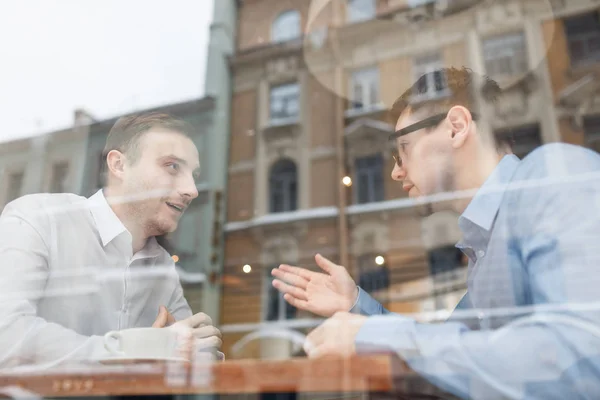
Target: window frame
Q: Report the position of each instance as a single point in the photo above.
(274, 120)
(374, 174)
(571, 37)
(427, 64)
(511, 46)
(368, 79)
(289, 189)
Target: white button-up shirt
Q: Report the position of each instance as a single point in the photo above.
(68, 276)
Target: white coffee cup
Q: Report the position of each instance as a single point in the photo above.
(142, 343)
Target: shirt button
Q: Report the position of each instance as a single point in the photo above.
(480, 253)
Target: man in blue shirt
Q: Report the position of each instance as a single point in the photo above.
(530, 229)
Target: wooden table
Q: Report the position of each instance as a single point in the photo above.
(359, 374)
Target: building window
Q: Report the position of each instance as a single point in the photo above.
(361, 10)
(58, 182)
(286, 26)
(373, 275)
(583, 38)
(444, 263)
(283, 184)
(444, 259)
(364, 89)
(522, 140)
(285, 102)
(369, 179)
(591, 129)
(431, 82)
(505, 55)
(277, 309)
(15, 185)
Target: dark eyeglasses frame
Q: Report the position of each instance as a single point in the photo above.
(426, 123)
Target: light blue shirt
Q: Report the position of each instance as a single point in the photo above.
(529, 325)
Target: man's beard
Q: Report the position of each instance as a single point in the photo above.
(444, 186)
(146, 213)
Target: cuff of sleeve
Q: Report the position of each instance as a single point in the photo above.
(356, 301)
(365, 304)
(385, 333)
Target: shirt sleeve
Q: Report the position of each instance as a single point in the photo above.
(179, 307)
(367, 305)
(552, 350)
(26, 338)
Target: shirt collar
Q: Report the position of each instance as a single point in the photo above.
(479, 216)
(110, 226)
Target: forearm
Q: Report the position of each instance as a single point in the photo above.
(526, 359)
(28, 339)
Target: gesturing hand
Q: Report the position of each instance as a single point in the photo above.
(323, 294)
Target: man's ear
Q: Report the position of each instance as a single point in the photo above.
(459, 119)
(115, 161)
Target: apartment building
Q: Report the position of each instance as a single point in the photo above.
(309, 161)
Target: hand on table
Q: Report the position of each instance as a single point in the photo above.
(164, 318)
(195, 333)
(335, 336)
(323, 294)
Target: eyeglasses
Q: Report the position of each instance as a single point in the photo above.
(426, 123)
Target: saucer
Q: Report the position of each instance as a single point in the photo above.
(140, 360)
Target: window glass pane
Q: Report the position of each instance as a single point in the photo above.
(361, 10)
(369, 179)
(444, 259)
(523, 140)
(505, 54)
(429, 82)
(440, 84)
(286, 26)
(583, 36)
(283, 186)
(364, 86)
(284, 101)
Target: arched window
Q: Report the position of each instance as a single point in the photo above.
(286, 26)
(283, 186)
(361, 10)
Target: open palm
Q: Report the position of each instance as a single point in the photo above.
(322, 293)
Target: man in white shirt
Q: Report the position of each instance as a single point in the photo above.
(72, 268)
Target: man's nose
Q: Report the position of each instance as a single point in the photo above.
(189, 188)
(398, 173)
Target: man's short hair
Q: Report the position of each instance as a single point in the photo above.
(460, 84)
(125, 134)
